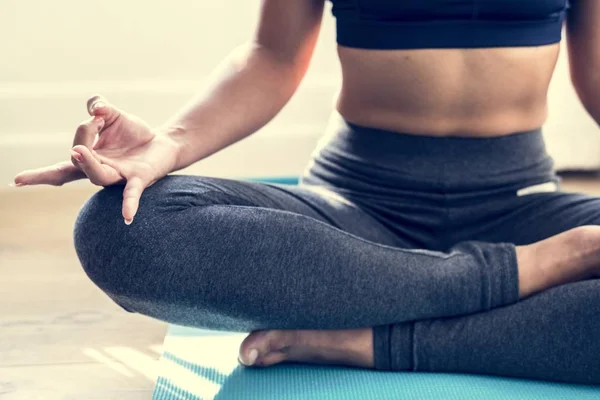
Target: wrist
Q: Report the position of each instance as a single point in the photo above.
(175, 140)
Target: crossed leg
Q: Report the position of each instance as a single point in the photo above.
(552, 335)
(242, 256)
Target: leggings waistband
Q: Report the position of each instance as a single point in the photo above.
(395, 158)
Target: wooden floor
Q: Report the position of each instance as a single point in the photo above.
(61, 338)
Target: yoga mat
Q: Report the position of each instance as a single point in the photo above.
(202, 365)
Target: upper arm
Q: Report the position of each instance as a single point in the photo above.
(288, 29)
(583, 40)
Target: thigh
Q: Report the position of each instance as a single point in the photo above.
(179, 192)
(242, 256)
(528, 219)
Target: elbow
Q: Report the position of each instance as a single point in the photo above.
(276, 70)
(290, 65)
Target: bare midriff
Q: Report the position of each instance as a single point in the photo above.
(447, 92)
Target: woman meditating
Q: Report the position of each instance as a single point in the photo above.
(428, 232)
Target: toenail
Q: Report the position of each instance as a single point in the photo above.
(252, 356)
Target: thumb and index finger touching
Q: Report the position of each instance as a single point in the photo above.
(99, 107)
(64, 172)
(85, 164)
(83, 142)
(103, 115)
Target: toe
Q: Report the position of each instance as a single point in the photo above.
(252, 347)
(248, 358)
(262, 348)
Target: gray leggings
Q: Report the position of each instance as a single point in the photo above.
(411, 235)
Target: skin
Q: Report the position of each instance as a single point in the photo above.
(442, 92)
(447, 92)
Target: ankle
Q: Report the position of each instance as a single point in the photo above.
(567, 257)
(531, 276)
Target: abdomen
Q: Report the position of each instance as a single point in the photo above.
(469, 92)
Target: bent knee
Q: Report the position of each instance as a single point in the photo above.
(120, 258)
(98, 235)
(113, 254)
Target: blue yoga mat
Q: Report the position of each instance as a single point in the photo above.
(202, 365)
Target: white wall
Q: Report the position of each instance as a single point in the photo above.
(150, 57)
(572, 136)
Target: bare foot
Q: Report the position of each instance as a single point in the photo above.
(570, 256)
(351, 347)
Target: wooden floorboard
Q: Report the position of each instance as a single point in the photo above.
(61, 338)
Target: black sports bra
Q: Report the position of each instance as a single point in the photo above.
(420, 24)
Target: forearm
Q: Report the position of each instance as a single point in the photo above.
(249, 88)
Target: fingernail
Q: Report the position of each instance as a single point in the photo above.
(12, 184)
(252, 356)
(97, 105)
(128, 221)
(76, 156)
